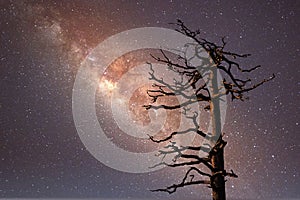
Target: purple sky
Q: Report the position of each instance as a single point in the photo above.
(42, 45)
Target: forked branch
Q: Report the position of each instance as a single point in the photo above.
(185, 182)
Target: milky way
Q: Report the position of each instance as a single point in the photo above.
(43, 44)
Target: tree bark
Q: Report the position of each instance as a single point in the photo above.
(217, 158)
(218, 182)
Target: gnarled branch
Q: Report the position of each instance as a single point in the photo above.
(171, 189)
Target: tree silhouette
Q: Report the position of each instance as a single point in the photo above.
(203, 80)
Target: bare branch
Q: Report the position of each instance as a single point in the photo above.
(170, 136)
(171, 189)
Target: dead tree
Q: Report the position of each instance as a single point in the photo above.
(208, 170)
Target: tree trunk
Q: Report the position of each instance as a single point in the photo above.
(218, 182)
(217, 158)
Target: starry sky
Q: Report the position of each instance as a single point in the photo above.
(42, 45)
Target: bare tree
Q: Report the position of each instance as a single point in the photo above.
(209, 169)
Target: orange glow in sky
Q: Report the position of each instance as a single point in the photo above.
(107, 86)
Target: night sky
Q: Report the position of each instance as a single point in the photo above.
(42, 44)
